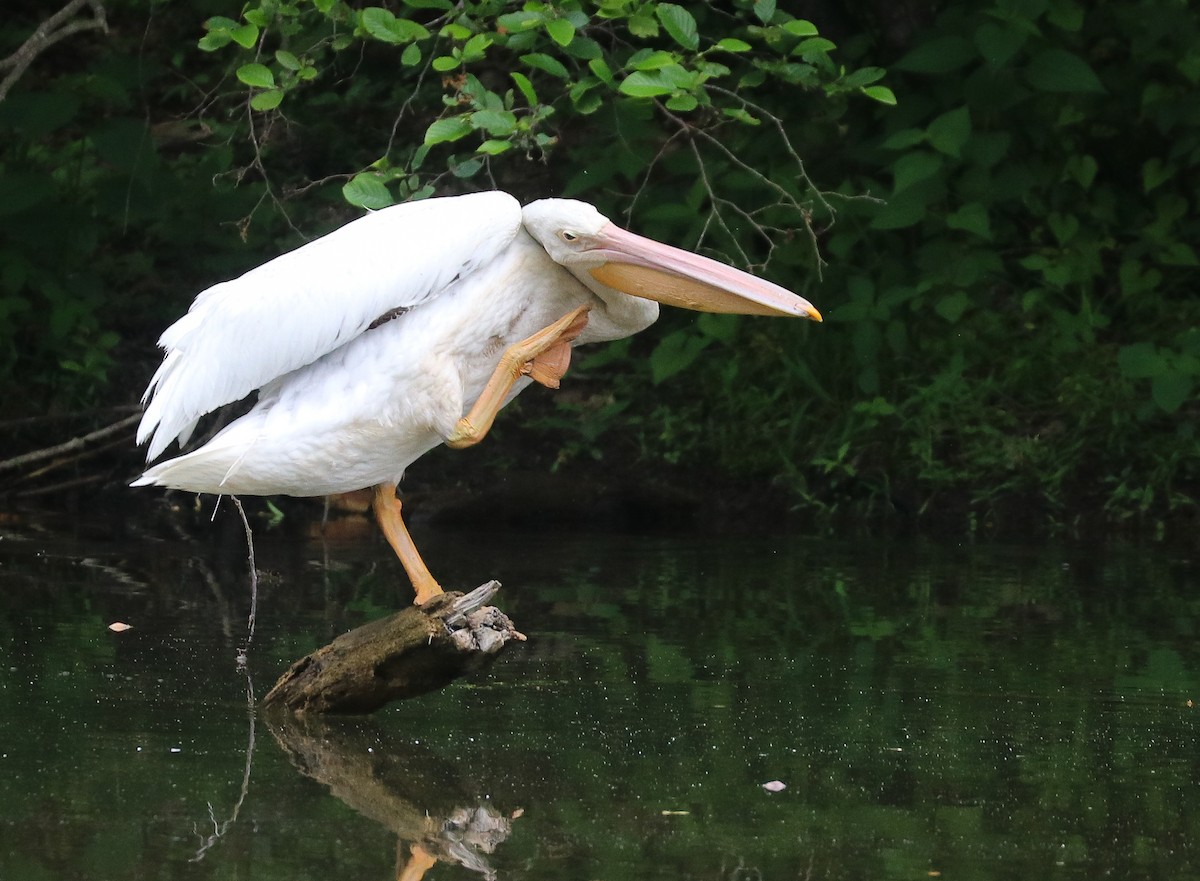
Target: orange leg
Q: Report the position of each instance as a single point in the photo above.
(420, 862)
(544, 357)
(387, 512)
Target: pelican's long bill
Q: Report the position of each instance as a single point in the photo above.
(646, 268)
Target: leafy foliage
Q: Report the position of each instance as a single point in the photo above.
(1019, 320)
(1012, 319)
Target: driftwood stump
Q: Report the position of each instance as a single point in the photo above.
(418, 650)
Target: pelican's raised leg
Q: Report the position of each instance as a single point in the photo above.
(387, 512)
(544, 357)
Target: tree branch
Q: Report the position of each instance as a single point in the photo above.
(71, 446)
(57, 27)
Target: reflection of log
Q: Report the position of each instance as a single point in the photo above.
(418, 650)
(423, 799)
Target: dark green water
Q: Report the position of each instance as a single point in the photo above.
(984, 712)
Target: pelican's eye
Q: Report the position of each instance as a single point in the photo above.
(567, 236)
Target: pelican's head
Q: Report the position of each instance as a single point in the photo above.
(583, 240)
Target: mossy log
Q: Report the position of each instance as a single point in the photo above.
(413, 652)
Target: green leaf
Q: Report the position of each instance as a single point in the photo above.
(1082, 169)
(516, 22)
(497, 123)
(561, 31)
(468, 168)
(1170, 390)
(1057, 70)
(584, 96)
(864, 76)
(914, 167)
(941, 55)
(642, 84)
(267, 100)
(642, 25)
(1140, 361)
(741, 115)
(245, 36)
(729, 44)
(411, 56)
(882, 94)
(257, 75)
(287, 60)
(603, 72)
(798, 27)
(220, 23)
(651, 60)
(213, 41)
(367, 191)
(902, 210)
(549, 64)
(450, 129)
(952, 306)
(476, 48)
(903, 139)
(1155, 172)
(1179, 254)
(585, 48)
(764, 10)
(492, 147)
(675, 353)
(948, 132)
(682, 102)
(526, 88)
(997, 44)
(445, 63)
(813, 47)
(680, 24)
(385, 27)
(972, 217)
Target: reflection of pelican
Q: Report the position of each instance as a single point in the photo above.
(405, 329)
(407, 789)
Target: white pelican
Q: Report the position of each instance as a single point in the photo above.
(408, 328)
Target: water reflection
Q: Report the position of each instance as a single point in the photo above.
(430, 805)
(982, 712)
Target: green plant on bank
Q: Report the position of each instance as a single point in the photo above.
(1015, 333)
(1014, 330)
(102, 207)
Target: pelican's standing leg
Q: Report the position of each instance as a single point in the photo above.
(544, 357)
(387, 512)
(419, 862)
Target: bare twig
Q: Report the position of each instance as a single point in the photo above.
(48, 418)
(50, 490)
(71, 446)
(57, 27)
(784, 199)
(219, 829)
(253, 583)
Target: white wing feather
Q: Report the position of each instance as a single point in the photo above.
(241, 334)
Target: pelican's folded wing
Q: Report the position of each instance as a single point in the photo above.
(241, 334)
